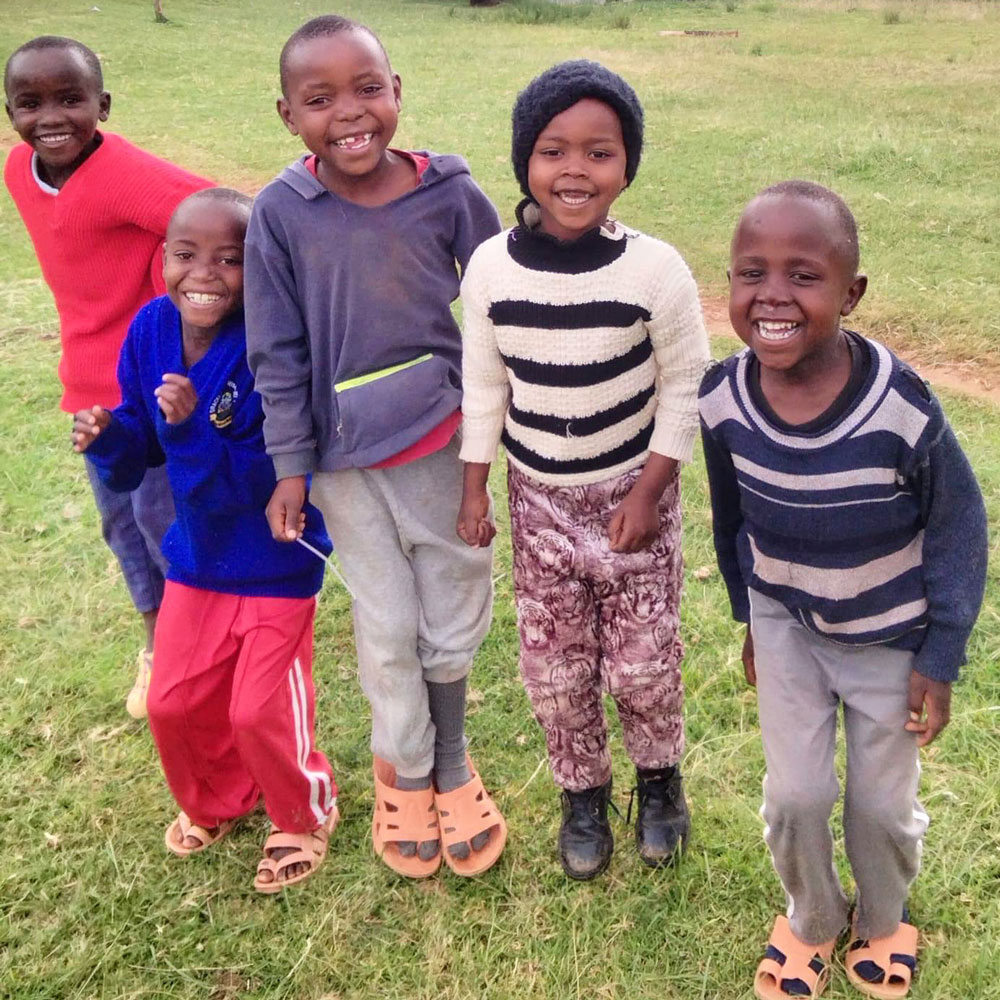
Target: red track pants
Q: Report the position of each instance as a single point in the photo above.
(231, 707)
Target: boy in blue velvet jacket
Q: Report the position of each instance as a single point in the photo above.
(231, 702)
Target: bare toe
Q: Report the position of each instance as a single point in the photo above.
(428, 849)
(459, 851)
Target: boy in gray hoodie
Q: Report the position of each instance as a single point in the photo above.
(352, 262)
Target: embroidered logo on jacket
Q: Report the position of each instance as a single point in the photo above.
(220, 413)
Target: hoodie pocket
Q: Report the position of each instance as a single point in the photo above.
(378, 405)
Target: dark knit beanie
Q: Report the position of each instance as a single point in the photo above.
(558, 89)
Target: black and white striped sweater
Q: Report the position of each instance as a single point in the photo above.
(581, 357)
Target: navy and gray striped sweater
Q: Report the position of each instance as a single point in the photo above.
(870, 529)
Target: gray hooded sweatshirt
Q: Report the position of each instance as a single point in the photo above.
(350, 334)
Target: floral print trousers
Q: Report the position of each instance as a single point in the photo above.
(592, 620)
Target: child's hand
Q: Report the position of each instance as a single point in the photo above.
(87, 424)
(749, 663)
(935, 697)
(285, 516)
(474, 526)
(176, 397)
(635, 523)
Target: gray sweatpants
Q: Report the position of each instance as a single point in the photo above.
(423, 598)
(802, 679)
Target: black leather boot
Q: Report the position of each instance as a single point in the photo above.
(663, 822)
(585, 839)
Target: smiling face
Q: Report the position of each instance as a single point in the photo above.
(54, 103)
(203, 263)
(342, 100)
(791, 282)
(577, 168)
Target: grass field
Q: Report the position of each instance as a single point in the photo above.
(894, 105)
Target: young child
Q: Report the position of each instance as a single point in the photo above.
(352, 263)
(96, 208)
(231, 701)
(851, 536)
(583, 347)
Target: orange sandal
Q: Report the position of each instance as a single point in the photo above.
(307, 848)
(463, 813)
(788, 960)
(883, 967)
(183, 827)
(402, 816)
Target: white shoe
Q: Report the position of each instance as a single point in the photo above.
(135, 703)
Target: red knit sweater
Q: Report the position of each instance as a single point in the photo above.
(98, 243)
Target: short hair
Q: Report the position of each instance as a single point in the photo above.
(323, 26)
(57, 42)
(811, 191)
(220, 195)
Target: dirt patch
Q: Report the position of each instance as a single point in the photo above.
(968, 377)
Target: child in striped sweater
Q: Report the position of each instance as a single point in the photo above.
(851, 535)
(582, 351)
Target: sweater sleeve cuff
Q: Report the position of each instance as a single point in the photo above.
(181, 435)
(739, 601)
(941, 655)
(298, 463)
(477, 449)
(673, 442)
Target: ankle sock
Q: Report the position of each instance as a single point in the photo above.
(413, 784)
(447, 708)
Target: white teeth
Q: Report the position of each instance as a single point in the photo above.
(573, 197)
(354, 141)
(775, 331)
(53, 140)
(201, 298)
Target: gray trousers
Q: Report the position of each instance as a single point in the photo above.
(802, 679)
(423, 598)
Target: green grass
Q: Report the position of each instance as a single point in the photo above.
(902, 119)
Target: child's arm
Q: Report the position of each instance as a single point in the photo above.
(121, 443)
(680, 346)
(727, 518)
(477, 220)
(279, 357)
(474, 526)
(955, 551)
(147, 191)
(484, 403)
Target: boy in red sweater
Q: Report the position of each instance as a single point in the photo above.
(96, 208)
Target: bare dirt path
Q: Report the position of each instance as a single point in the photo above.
(967, 377)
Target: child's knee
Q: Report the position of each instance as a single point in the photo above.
(164, 708)
(794, 803)
(248, 717)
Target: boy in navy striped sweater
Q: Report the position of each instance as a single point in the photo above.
(851, 535)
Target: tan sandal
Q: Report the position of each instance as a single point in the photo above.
(135, 703)
(183, 827)
(464, 813)
(883, 967)
(306, 848)
(788, 961)
(403, 816)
